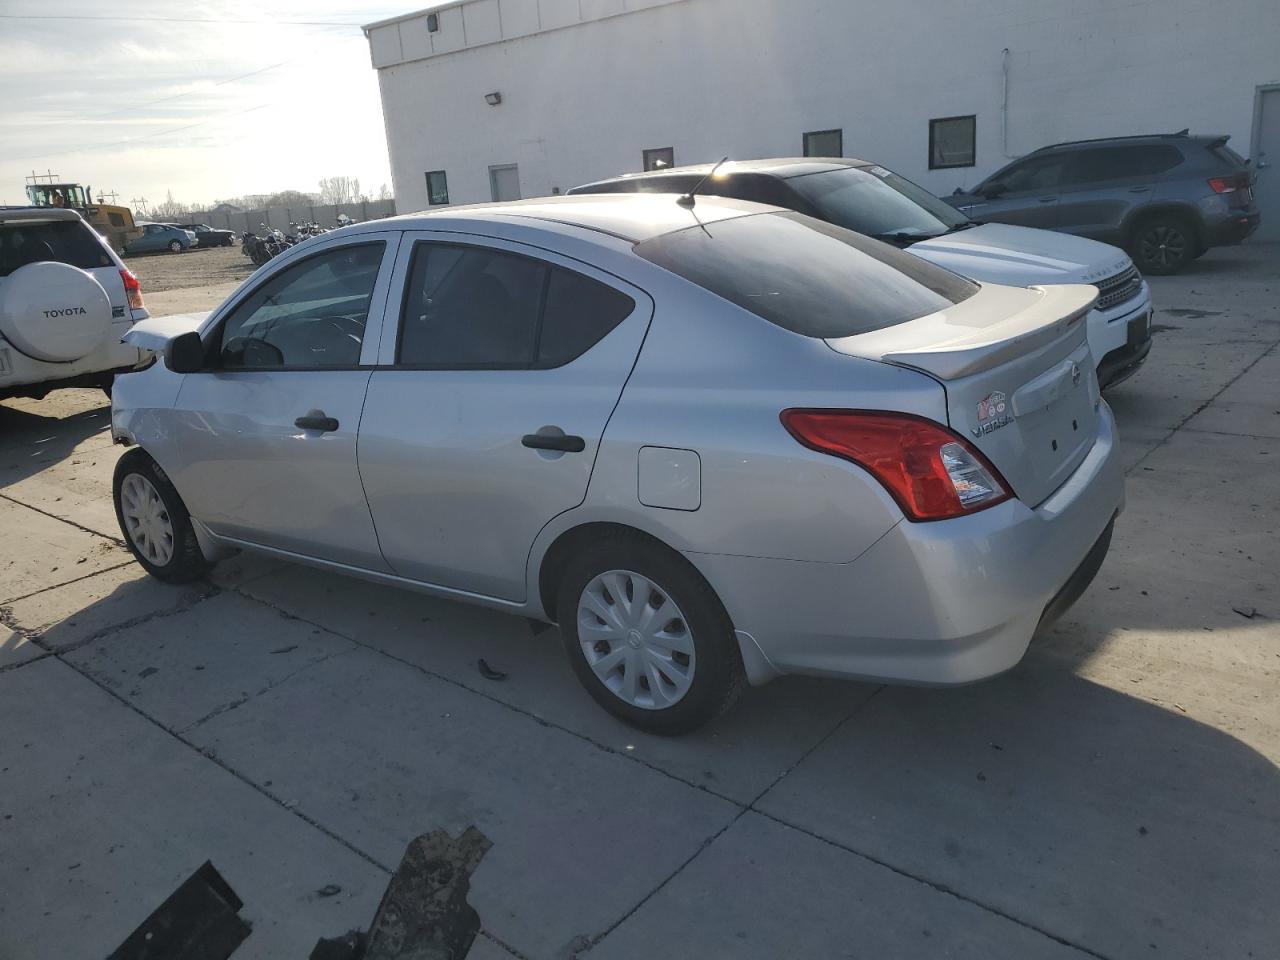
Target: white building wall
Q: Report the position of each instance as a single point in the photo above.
(746, 78)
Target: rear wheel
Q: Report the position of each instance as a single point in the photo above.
(155, 523)
(647, 636)
(175, 246)
(1163, 245)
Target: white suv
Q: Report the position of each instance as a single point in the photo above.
(66, 300)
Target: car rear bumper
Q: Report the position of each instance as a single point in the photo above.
(1232, 228)
(20, 375)
(930, 603)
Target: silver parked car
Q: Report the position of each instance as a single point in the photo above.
(713, 443)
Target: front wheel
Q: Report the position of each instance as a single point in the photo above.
(1164, 245)
(175, 246)
(647, 636)
(155, 523)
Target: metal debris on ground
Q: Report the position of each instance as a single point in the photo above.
(424, 914)
(198, 921)
(488, 672)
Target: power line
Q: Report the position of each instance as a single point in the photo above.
(228, 20)
(134, 108)
(146, 136)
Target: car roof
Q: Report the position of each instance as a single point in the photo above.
(1140, 138)
(784, 168)
(632, 217)
(38, 213)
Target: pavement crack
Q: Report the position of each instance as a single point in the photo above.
(67, 583)
(1202, 407)
(70, 523)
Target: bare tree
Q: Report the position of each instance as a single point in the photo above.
(170, 209)
(340, 190)
(384, 192)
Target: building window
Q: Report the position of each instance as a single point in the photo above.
(952, 142)
(824, 143)
(661, 158)
(433, 23)
(437, 188)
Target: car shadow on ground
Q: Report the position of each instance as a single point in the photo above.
(34, 436)
(1099, 816)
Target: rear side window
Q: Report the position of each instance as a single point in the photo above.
(806, 276)
(1122, 163)
(64, 241)
(478, 308)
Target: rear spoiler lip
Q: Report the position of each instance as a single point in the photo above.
(970, 351)
(154, 333)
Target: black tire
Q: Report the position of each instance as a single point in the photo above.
(185, 562)
(175, 246)
(718, 677)
(1164, 244)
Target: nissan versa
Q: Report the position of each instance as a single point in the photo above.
(714, 441)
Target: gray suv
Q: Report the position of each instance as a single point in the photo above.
(1165, 198)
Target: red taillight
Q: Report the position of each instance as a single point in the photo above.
(1237, 181)
(932, 473)
(132, 289)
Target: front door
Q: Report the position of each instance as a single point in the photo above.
(485, 414)
(504, 182)
(1267, 161)
(1029, 196)
(268, 432)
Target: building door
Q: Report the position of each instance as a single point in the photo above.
(1266, 160)
(504, 182)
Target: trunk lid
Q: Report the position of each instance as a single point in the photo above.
(1018, 375)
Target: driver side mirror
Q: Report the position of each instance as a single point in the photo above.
(185, 353)
(993, 190)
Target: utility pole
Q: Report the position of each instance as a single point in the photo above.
(140, 204)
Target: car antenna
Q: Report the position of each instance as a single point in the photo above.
(689, 199)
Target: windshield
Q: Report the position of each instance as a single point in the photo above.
(807, 276)
(877, 202)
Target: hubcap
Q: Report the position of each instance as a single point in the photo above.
(636, 640)
(146, 519)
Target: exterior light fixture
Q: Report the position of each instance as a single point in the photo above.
(493, 99)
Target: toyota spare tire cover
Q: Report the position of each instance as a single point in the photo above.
(54, 311)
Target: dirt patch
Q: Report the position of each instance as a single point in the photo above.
(213, 267)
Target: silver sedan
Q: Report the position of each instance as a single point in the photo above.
(715, 442)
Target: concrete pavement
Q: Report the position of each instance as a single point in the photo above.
(1115, 796)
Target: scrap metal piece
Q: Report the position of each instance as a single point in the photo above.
(198, 921)
(424, 915)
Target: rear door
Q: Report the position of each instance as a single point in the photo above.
(268, 431)
(1030, 195)
(484, 417)
(1103, 184)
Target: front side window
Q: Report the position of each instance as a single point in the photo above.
(478, 308)
(437, 188)
(877, 202)
(1038, 173)
(660, 158)
(807, 276)
(313, 314)
(952, 142)
(824, 143)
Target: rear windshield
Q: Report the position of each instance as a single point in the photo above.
(65, 241)
(806, 276)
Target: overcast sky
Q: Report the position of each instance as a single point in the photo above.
(139, 104)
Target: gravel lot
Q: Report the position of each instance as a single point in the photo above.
(160, 272)
(1115, 796)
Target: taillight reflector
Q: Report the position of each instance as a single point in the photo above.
(932, 472)
(1237, 181)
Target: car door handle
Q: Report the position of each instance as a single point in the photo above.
(1139, 189)
(321, 423)
(1048, 199)
(543, 441)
